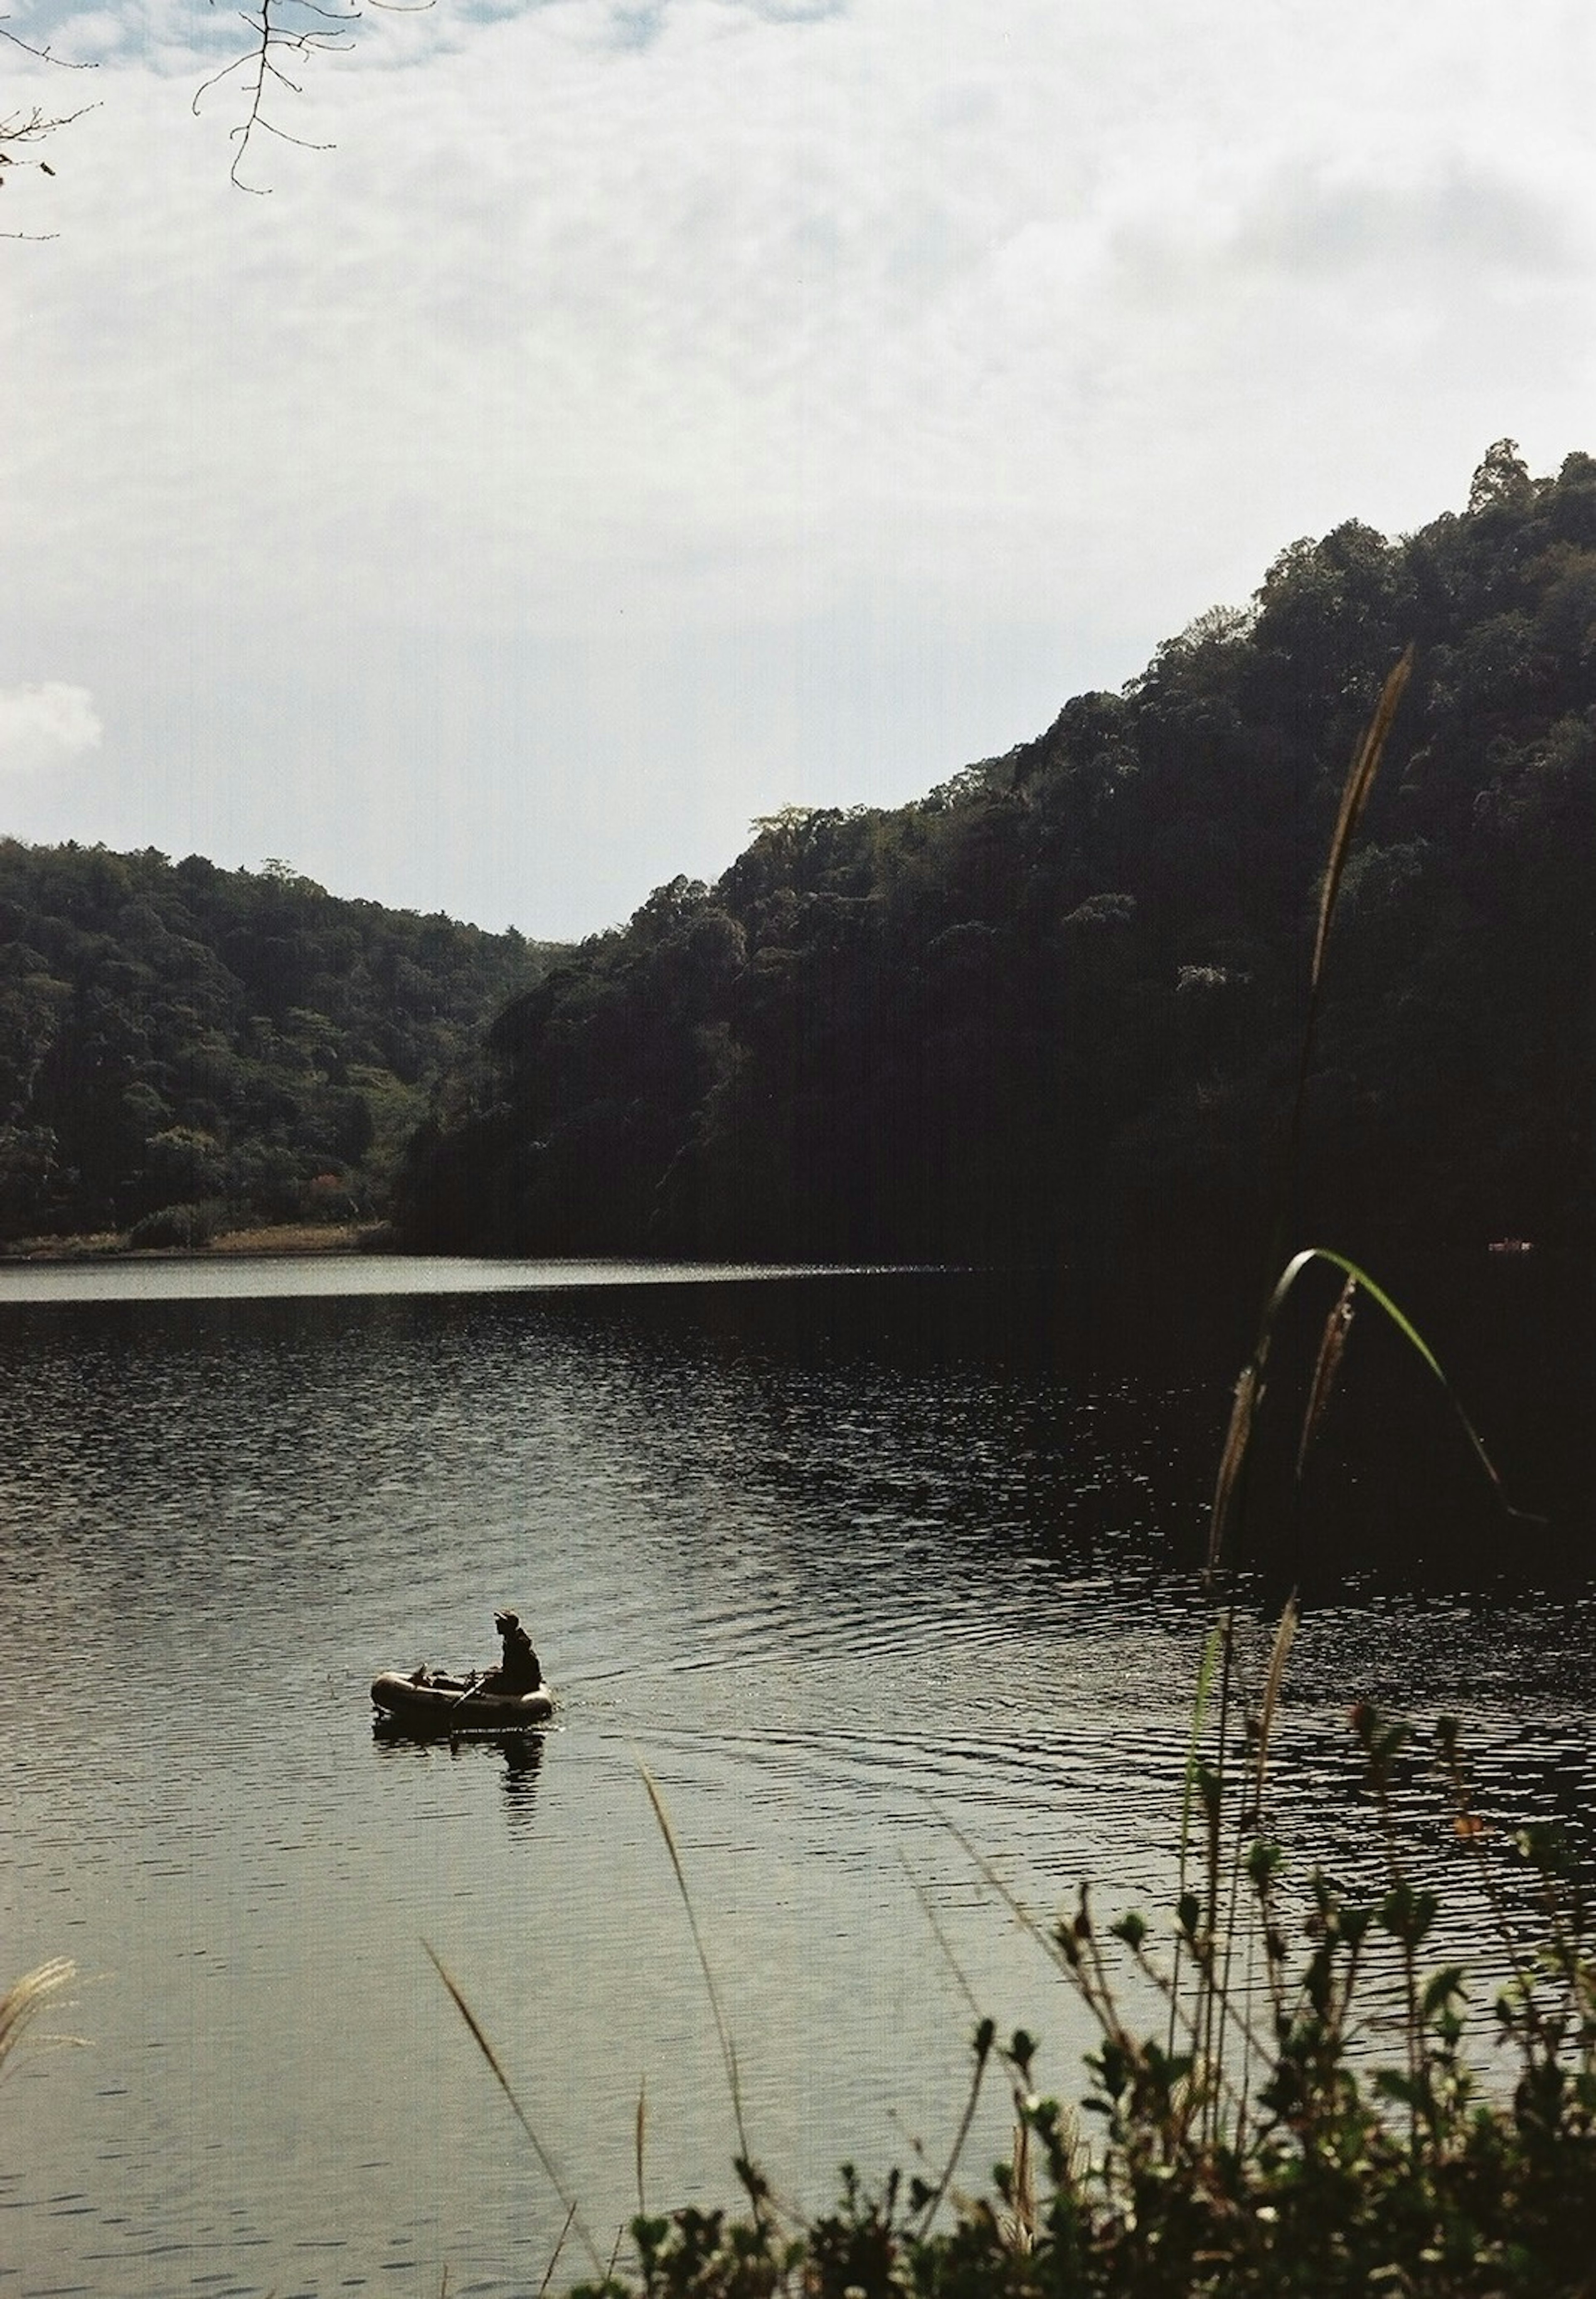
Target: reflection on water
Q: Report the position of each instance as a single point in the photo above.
(515, 1758)
(847, 1568)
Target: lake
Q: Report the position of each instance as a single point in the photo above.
(883, 1583)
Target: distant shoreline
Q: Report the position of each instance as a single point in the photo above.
(275, 1238)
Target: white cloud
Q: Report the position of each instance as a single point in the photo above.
(40, 726)
(1002, 336)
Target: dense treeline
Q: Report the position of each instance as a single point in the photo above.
(1056, 1003)
(182, 1045)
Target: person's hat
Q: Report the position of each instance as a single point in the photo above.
(507, 1620)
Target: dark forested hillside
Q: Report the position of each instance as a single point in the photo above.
(181, 1044)
(1056, 1003)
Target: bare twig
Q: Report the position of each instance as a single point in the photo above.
(277, 26)
(294, 30)
(21, 129)
(45, 55)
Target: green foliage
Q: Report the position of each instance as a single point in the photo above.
(1258, 2147)
(1048, 1007)
(177, 1037)
(187, 1226)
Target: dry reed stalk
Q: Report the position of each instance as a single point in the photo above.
(1285, 1635)
(1331, 1346)
(548, 2273)
(1232, 1460)
(639, 2134)
(542, 2152)
(728, 2054)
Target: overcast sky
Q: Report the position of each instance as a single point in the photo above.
(649, 415)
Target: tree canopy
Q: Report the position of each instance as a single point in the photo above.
(185, 1042)
(1053, 1005)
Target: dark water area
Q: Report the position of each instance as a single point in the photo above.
(883, 1578)
(1392, 1491)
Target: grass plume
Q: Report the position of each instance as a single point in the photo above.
(24, 1999)
(1333, 1344)
(1354, 798)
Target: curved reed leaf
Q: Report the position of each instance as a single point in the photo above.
(1249, 1388)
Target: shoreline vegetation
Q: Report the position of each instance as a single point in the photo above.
(188, 1051)
(1050, 1011)
(267, 1239)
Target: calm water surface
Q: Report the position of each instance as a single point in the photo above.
(848, 1574)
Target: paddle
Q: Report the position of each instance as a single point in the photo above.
(466, 1695)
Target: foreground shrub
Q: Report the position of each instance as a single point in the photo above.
(1252, 2148)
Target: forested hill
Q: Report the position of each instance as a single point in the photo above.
(1056, 1003)
(182, 1046)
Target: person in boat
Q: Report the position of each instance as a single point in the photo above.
(518, 1671)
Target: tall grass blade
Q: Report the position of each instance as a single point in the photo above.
(1252, 1817)
(984, 2039)
(1212, 1645)
(492, 2057)
(943, 1943)
(727, 2050)
(1331, 1346)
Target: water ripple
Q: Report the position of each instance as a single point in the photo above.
(880, 1615)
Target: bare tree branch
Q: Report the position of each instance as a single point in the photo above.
(18, 133)
(45, 55)
(283, 36)
(297, 29)
(277, 26)
(18, 130)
